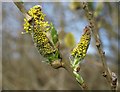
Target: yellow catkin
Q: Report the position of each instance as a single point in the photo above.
(80, 50)
(38, 27)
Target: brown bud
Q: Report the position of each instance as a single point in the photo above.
(56, 64)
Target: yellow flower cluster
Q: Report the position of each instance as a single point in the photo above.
(80, 50)
(42, 42)
(38, 27)
(39, 19)
(27, 26)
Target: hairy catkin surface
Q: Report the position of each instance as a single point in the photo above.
(79, 52)
(38, 27)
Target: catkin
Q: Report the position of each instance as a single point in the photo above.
(79, 52)
(38, 27)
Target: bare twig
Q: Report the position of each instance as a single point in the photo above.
(110, 76)
(22, 9)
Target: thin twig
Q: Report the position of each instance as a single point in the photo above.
(67, 66)
(21, 7)
(110, 76)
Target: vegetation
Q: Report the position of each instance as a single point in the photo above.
(52, 42)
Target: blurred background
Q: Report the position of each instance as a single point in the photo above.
(22, 64)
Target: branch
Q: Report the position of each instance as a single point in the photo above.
(67, 66)
(110, 76)
(21, 7)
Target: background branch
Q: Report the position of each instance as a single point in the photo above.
(110, 76)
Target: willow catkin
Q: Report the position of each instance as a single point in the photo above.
(38, 27)
(79, 52)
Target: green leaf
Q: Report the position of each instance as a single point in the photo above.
(54, 34)
(78, 77)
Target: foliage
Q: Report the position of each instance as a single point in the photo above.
(21, 59)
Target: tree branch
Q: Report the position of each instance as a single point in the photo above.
(67, 66)
(21, 7)
(110, 76)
